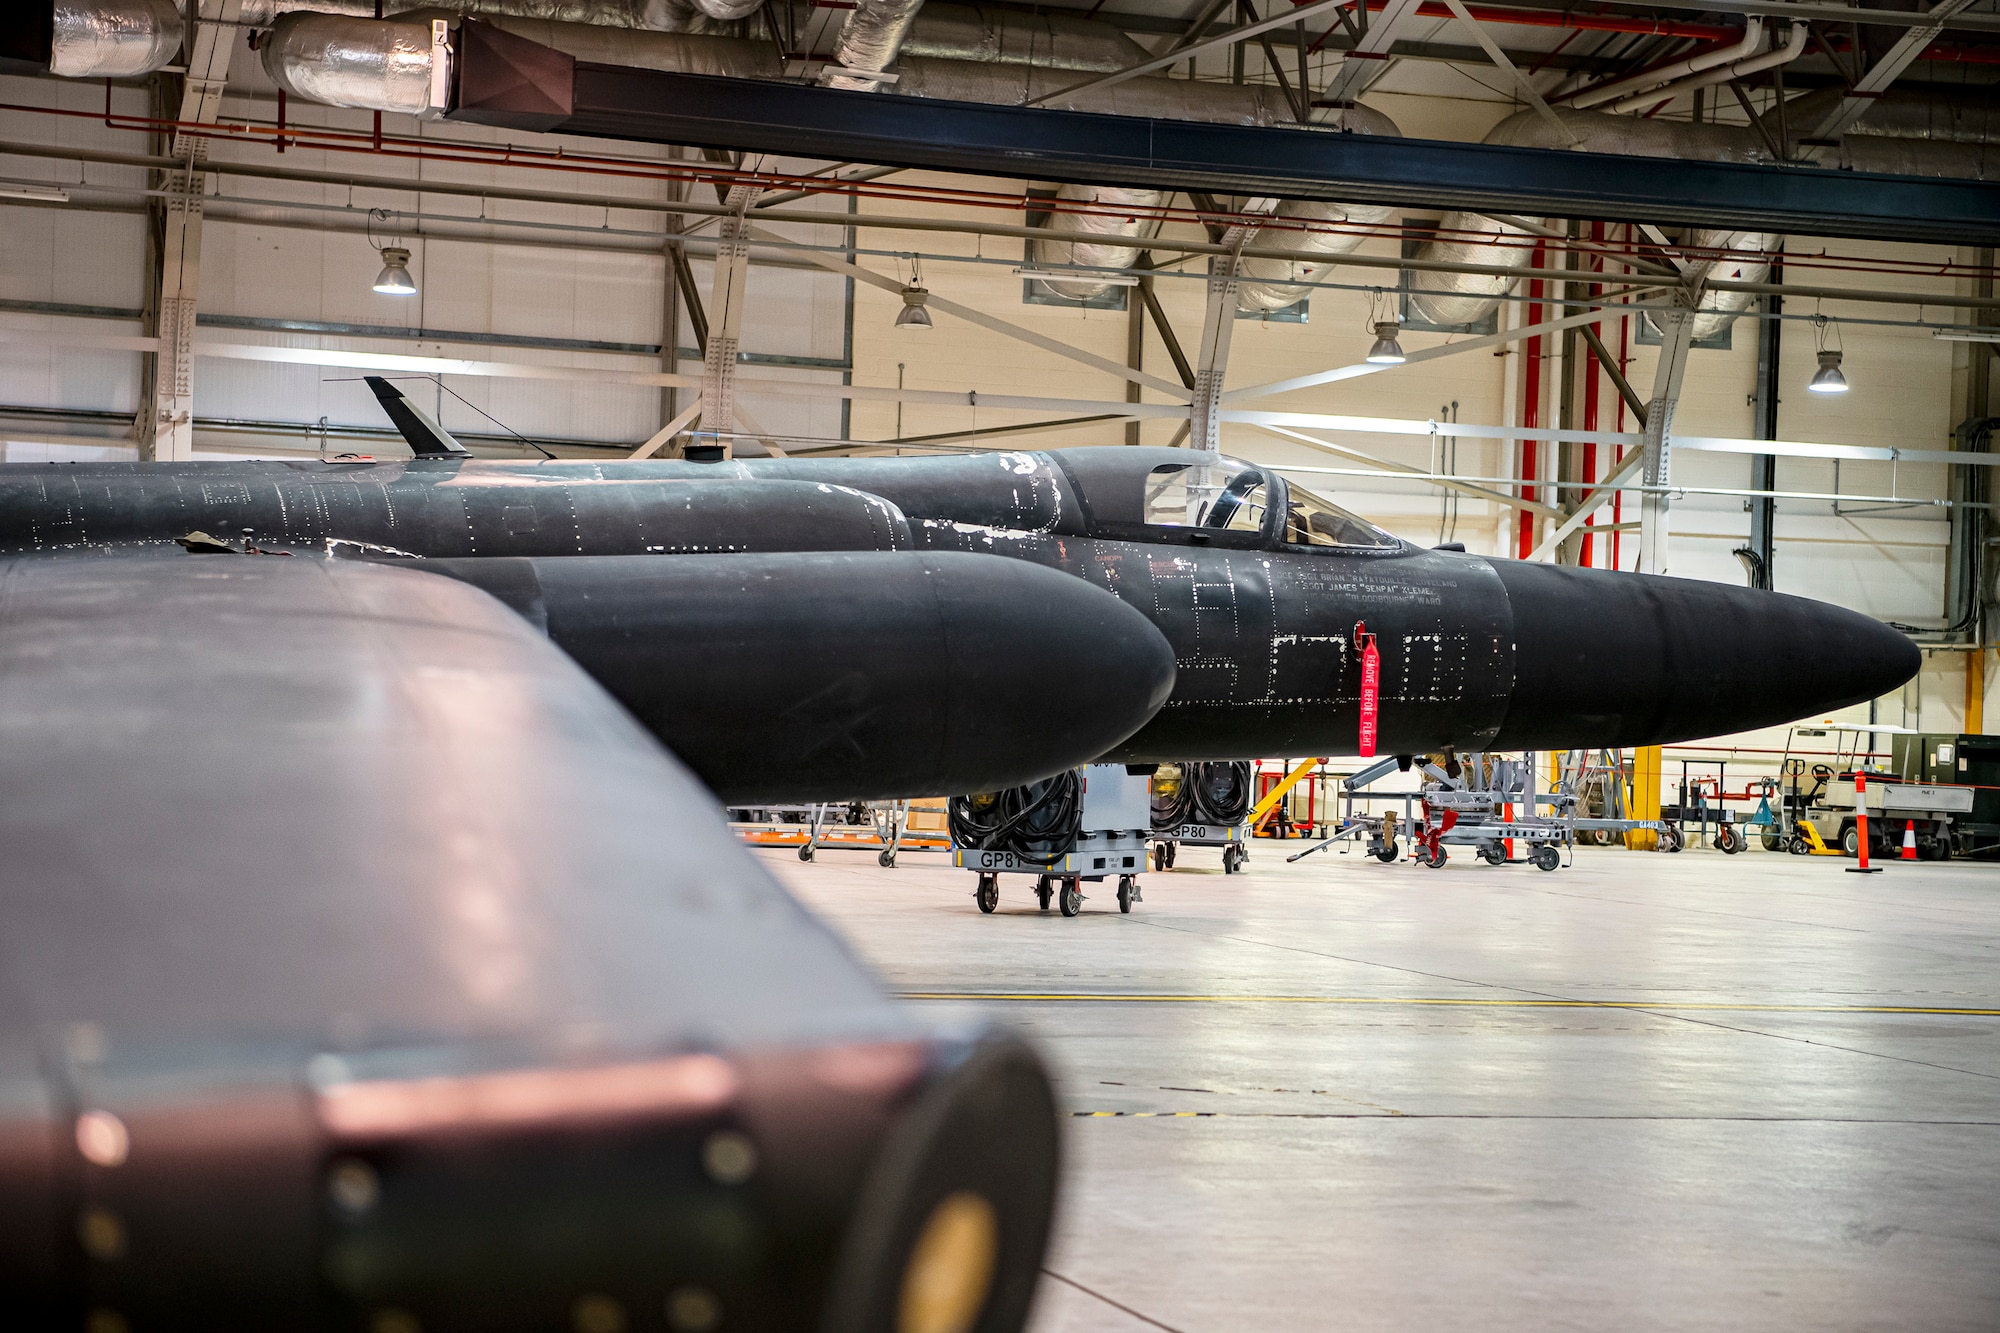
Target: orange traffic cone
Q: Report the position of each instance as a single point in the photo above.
(1909, 840)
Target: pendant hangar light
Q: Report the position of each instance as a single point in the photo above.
(913, 315)
(1386, 350)
(1828, 379)
(394, 279)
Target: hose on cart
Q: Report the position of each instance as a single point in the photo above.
(1038, 823)
(1220, 791)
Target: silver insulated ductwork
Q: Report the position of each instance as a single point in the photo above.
(880, 33)
(869, 43)
(341, 61)
(1138, 222)
(113, 39)
(645, 15)
(1052, 40)
(1318, 231)
(1910, 133)
(1470, 238)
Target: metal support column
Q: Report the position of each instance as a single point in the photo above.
(1676, 332)
(732, 273)
(1218, 325)
(670, 302)
(1968, 570)
(1764, 410)
(167, 429)
(1135, 351)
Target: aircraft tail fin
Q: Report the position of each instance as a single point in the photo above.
(427, 438)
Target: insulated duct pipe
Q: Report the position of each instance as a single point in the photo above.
(1794, 47)
(878, 32)
(1462, 298)
(870, 41)
(1266, 284)
(1332, 228)
(1752, 43)
(1136, 223)
(645, 15)
(353, 62)
(1273, 284)
(113, 39)
(117, 39)
(1051, 40)
(1910, 133)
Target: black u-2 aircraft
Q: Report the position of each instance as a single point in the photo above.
(366, 965)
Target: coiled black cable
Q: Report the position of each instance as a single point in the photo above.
(1038, 823)
(1220, 791)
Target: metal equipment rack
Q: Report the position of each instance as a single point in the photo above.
(1491, 804)
(887, 820)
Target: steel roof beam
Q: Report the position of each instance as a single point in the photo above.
(624, 103)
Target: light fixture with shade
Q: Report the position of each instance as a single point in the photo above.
(1387, 351)
(913, 315)
(1828, 378)
(395, 279)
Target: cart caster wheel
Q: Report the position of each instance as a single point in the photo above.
(1128, 892)
(1173, 851)
(1773, 843)
(1436, 859)
(886, 859)
(1800, 847)
(1159, 856)
(987, 895)
(1045, 888)
(1493, 854)
(805, 853)
(1546, 857)
(1388, 852)
(1233, 859)
(1072, 896)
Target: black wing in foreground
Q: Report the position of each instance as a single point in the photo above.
(362, 964)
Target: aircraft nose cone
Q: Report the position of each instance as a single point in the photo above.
(1044, 667)
(1605, 658)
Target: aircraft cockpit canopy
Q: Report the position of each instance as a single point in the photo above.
(1230, 495)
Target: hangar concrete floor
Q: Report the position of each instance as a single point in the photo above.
(1645, 1092)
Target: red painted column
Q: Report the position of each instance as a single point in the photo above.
(1531, 411)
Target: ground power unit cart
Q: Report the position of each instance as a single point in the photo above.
(1089, 824)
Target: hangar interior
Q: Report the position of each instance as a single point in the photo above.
(1746, 1092)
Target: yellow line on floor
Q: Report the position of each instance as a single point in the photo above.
(1065, 997)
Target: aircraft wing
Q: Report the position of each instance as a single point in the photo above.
(361, 959)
